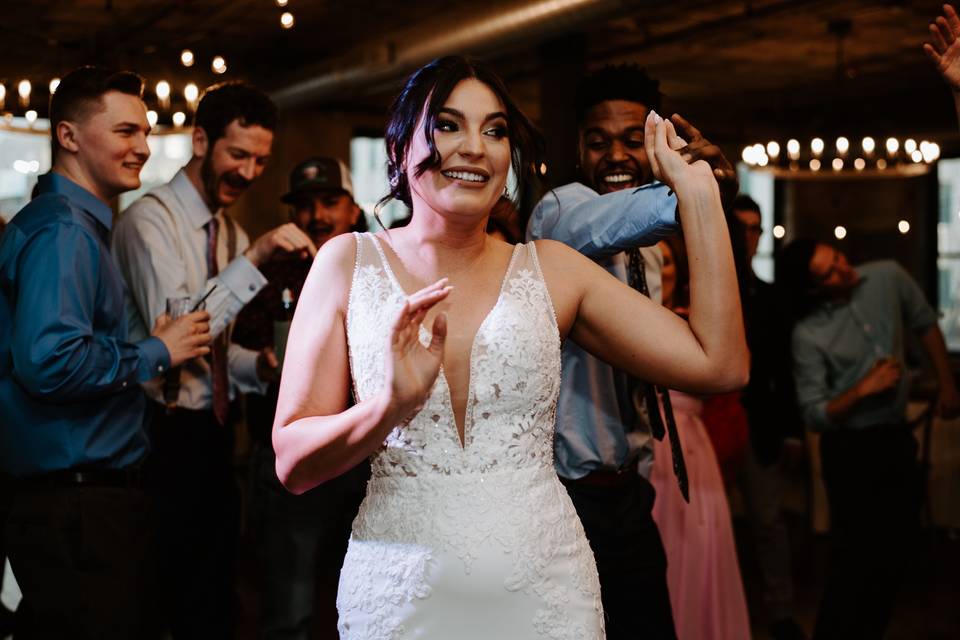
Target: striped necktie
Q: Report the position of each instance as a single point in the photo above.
(637, 278)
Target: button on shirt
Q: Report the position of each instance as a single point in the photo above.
(596, 409)
(837, 344)
(68, 374)
(160, 244)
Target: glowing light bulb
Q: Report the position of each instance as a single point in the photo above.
(893, 145)
(779, 231)
(218, 65)
(282, 3)
(843, 145)
(916, 156)
(152, 118)
(163, 90)
(837, 164)
(749, 156)
(881, 164)
(934, 151)
(869, 145)
(793, 148)
(815, 165)
(31, 116)
(179, 117)
(904, 227)
(191, 92)
(762, 159)
(816, 145)
(3, 95)
(23, 89)
(187, 58)
(773, 149)
(910, 146)
(286, 20)
(53, 85)
(840, 232)
(859, 164)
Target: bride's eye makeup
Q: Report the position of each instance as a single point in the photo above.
(497, 131)
(445, 124)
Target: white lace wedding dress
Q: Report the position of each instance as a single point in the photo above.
(478, 541)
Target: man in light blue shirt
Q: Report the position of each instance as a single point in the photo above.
(603, 448)
(848, 351)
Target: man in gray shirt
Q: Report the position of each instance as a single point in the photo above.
(603, 448)
(848, 351)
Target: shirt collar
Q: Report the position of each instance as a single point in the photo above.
(56, 183)
(196, 209)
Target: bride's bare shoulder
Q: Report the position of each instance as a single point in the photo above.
(555, 256)
(332, 269)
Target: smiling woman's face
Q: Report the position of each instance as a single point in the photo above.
(471, 137)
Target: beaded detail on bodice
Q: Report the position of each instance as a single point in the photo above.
(514, 374)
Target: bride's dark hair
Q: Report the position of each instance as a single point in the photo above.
(431, 85)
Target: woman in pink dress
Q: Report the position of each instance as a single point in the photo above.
(703, 574)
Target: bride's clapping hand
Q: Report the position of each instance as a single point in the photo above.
(411, 368)
(669, 167)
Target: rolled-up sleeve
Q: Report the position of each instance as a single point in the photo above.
(810, 375)
(56, 354)
(599, 226)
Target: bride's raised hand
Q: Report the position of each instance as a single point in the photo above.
(411, 368)
(669, 166)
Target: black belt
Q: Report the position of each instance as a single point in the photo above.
(129, 477)
(606, 477)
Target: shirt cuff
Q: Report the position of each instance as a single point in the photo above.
(817, 417)
(154, 360)
(243, 370)
(242, 278)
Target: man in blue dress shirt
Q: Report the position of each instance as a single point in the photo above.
(72, 434)
(603, 446)
(848, 354)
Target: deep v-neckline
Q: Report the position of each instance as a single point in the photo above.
(467, 419)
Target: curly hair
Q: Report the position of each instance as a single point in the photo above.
(626, 82)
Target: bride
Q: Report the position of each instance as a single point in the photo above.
(450, 341)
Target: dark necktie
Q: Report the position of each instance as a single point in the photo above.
(637, 278)
(218, 349)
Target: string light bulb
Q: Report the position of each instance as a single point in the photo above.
(282, 3)
(187, 58)
(152, 118)
(839, 232)
(31, 116)
(218, 65)
(869, 144)
(53, 85)
(904, 227)
(190, 93)
(163, 90)
(773, 149)
(859, 164)
(843, 145)
(779, 231)
(910, 146)
(179, 117)
(23, 90)
(793, 149)
(815, 165)
(837, 164)
(893, 145)
(286, 20)
(3, 96)
(816, 145)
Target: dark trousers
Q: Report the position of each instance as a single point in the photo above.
(82, 556)
(872, 481)
(301, 542)
(190, 477)
(630, 558)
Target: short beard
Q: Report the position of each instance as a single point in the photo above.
(210, 183)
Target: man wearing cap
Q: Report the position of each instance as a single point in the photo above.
(297, 536)
(177, 241)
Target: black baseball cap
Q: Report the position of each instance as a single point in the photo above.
(318, 174)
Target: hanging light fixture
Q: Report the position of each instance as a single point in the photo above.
(841, 157)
